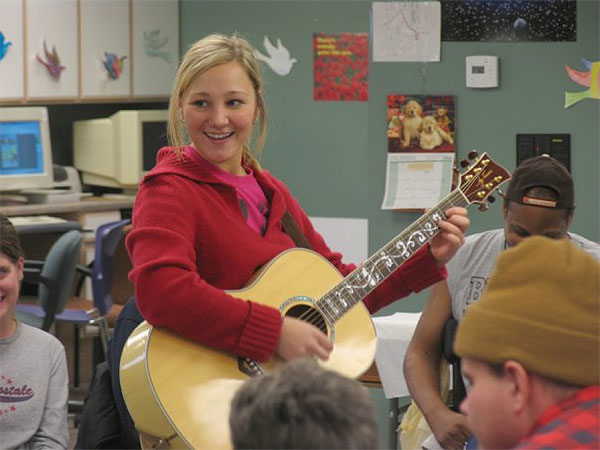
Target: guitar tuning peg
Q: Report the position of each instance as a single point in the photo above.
(472, 154)
(491, 199)
(464, 163)
(500, 193)
(483, 207)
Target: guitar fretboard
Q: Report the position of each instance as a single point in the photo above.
(366, 277)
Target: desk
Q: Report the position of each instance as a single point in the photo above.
(85, 214)
(394, 333)
(90, 204)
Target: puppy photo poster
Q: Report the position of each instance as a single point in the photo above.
(417, 123)
(421, 136)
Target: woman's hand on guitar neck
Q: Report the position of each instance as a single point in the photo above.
(301, 339)
(451, 236)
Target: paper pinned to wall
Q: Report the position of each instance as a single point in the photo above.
(406, 31)
(349, 236)
(417, 180)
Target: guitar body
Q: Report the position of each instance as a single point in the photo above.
(179, 391)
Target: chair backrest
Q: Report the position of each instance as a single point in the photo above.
(60, 266)
(122, 288)
(108, 237)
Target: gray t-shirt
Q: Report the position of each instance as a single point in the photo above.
(472, 265)
(34, 389)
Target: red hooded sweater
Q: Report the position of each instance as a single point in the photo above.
(190, 242)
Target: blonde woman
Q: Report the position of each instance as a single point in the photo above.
(208, 216)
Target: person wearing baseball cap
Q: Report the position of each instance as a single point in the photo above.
(539, 201)
(530, 350)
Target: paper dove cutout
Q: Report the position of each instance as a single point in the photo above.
(153, 42)
(113, 65)
(52, 62)
(4, 44)
(279, 57)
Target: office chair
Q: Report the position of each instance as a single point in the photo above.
(54, 276)
(100, 310)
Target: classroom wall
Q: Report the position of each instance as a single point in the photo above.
(332, 154)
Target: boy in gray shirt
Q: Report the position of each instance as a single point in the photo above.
(34, 383)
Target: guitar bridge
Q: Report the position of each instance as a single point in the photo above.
(249, 367)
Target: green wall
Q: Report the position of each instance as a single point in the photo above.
(332, 154)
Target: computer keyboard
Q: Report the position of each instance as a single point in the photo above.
(35, 220)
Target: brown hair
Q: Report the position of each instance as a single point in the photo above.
(204, 54)
(9, 240)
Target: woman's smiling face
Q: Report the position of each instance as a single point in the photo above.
(219, 110)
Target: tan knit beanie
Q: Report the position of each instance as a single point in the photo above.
(541, 308)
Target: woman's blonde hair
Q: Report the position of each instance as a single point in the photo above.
(204, 54)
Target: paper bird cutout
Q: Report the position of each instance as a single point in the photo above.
(52, 62)
(590, 79)
(113, 65)
(153, 42)
(4, 44)
(279, 57)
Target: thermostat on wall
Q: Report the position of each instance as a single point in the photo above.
(482, 71)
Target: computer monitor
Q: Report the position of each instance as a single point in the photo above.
(25, 149)
(117, 151)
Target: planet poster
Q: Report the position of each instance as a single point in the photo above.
(509, 20)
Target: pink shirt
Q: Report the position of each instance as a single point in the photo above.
(252, 200)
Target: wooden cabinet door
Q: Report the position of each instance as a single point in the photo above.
(155, 35)
(105, 48)
(12, 73)
(52, 49)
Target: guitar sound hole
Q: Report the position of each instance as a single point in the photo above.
(308, 314)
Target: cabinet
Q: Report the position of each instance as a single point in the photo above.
(12, 71)
(52, 60)
(155, 35)
(105, 49)
(110, 50)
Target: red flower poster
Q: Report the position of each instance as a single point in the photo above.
(341, 69)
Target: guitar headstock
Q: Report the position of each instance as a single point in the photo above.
(481, 179)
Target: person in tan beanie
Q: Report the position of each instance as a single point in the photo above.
(530, 350)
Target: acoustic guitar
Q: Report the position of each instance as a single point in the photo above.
(178, 391)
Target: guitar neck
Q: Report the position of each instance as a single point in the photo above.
(369, 275)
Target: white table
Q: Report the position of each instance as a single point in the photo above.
(394, 333)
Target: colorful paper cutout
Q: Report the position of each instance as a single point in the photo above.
(4, 44)
(113, 65)
(52, 62)
(153, 42)
(591, 78)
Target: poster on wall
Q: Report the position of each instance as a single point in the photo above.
(341, 66)
(406, 31)
(509, 20)
(417, 123)
(421, 149)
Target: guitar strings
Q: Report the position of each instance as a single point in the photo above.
(313, 315)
